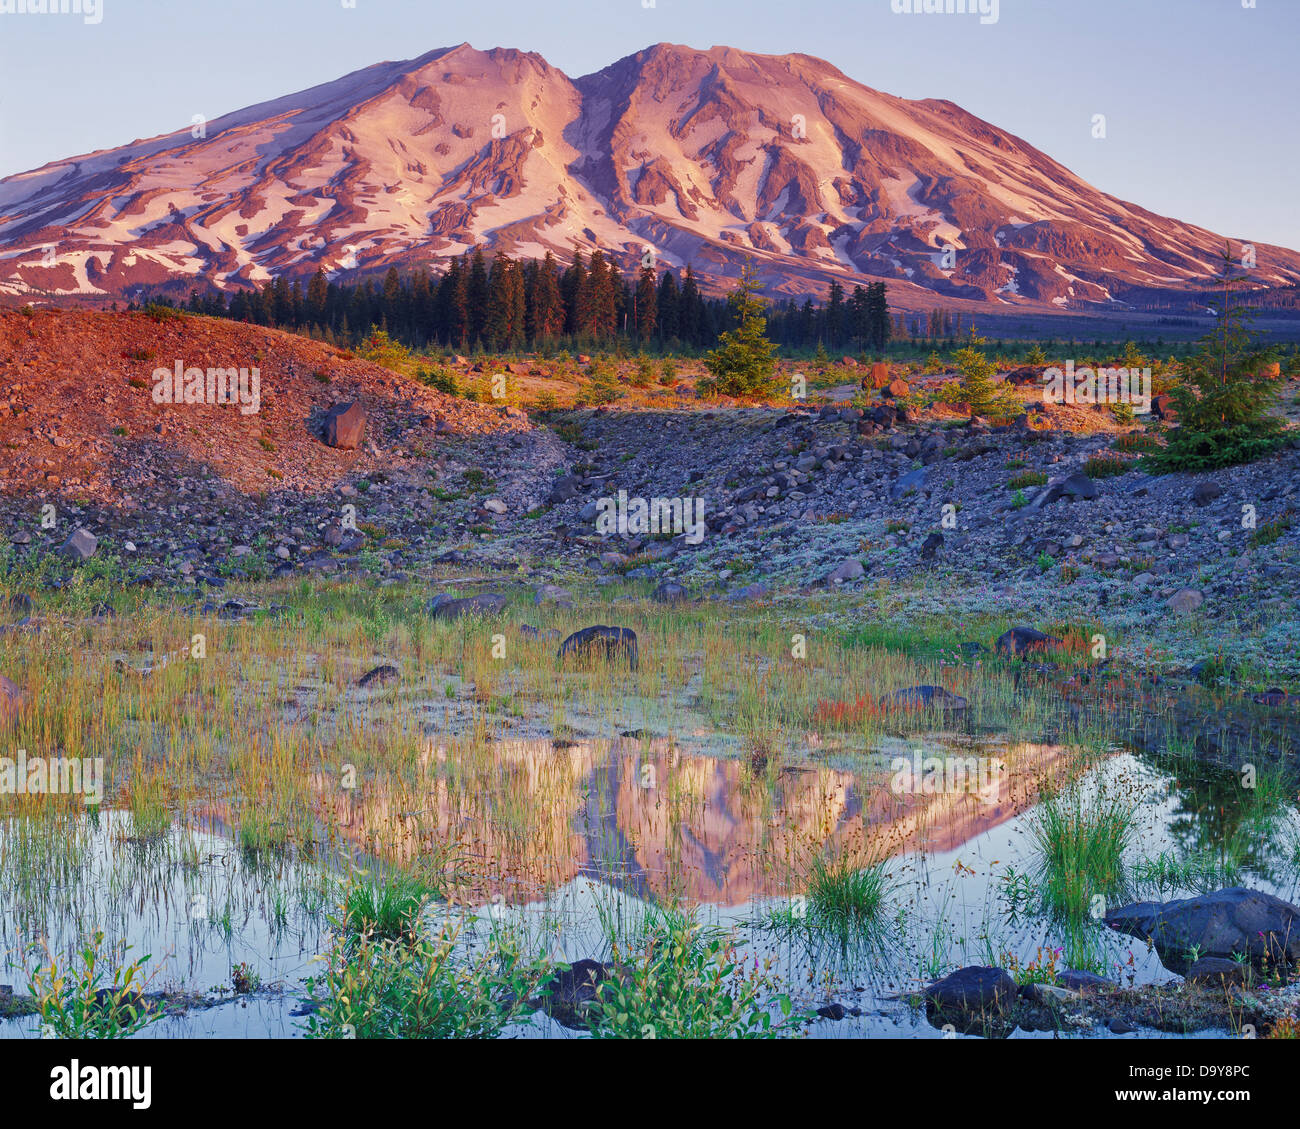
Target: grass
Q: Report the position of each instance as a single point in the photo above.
(1106, 466)
(1080, 844)
(1026, 478)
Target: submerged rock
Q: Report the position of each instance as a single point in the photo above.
(571, 994)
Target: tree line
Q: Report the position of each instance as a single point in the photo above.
(505, 304)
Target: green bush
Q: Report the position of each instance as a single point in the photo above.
(744, 362)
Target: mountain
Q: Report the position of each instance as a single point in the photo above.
(706, 157)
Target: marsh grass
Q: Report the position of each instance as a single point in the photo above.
(1080, 844)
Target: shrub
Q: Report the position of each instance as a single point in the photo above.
(1106, 466)
(688, 985)
(1223, 397)
(979, 390)
(1026, 478)
(77, 1002)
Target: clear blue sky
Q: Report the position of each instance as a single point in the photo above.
(1200, 96)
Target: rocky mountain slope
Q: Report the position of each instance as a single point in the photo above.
(705, 157)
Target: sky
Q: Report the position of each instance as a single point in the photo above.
(1199, 97)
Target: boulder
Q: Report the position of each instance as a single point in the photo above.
(1217, 971)
(912, 480)
(1274, 697)
(669, 592)
(553, 594)
(1162, 407)
(444, 606)
(345, 426)
(1185, 600)
(564, 489)
(850, 569)
(600, 641)
(931, 546)
(571, 993)
(896, 389)
(878, 377)
(1226, 923)
(1086, 983)
(80, 545)
(1022, 640)
(11, 699)
(1206, 492)
(971, 998)
(917, 697)
(379, 676)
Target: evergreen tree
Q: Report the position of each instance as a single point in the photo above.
(744, 362)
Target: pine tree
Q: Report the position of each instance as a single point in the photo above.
(744, 362)
(647, 304)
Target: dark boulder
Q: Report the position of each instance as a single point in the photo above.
(571, 994)
(1217, 971)
(1022, 640)
(931, 546)
(379, 676)
(449, 607)
(1226, 923)
(919, 697)
(345, 426)
(971, 998)
(600, 641)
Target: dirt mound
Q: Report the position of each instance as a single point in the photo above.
(80, 411)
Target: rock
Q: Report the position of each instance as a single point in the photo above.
(1206, 492)
(563, 489)
(1078, 486)
(669, 592)
(1022, 640)
(444, 606)
(896, 389)
(917, 697)
(750, 592)
(878, 377)
(1119, 1026)
(345, 425)
(931, 546)
(609, 643)
(80, 545)
(1185, 600)
(1230, 922)
(569, 995)
(1050, 995)
(553, 594)
(1274, 697)
(379, 676)
(850, 569)
(912, 480)
(11, 699)
(1162, 407)
(971, 649)
(835, 1011)
(1084, 982)
(495, 506)
(970, 998)
(1217, 971)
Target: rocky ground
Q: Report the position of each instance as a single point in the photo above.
(944, 514)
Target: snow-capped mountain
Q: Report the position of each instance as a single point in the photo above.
(707, 157)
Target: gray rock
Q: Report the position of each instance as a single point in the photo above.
(80, 545)
(449, 607)
(1226, 923)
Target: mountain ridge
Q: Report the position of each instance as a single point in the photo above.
(703, 157)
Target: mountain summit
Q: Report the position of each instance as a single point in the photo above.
(706, 157)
